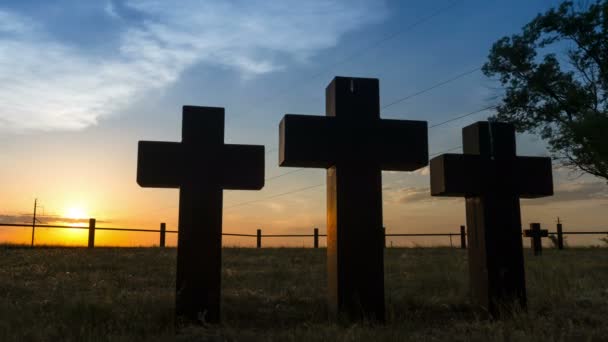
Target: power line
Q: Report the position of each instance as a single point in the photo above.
(446, 151)
(277, 195)
(461, 116)
(284, 174)
(430, 127)
(318, 185)
(436, 85)
(366, 49)
(308, 187)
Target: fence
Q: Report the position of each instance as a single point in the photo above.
(315, 235)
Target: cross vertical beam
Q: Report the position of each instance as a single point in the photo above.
(496, 262)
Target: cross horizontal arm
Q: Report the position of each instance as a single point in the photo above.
(306, 141)
(243, 167)
(469, 175)
(403, 145)
(159, 164)
(535, 177)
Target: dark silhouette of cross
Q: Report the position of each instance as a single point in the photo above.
(354, 145)
(492, 179)
(535, 233)
(201, 166)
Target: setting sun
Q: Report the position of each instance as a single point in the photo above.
(75, 213)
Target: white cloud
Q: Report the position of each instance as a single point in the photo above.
(50, 85)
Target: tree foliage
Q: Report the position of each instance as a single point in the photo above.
(555, 75)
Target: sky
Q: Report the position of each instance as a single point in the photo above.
(81, 82)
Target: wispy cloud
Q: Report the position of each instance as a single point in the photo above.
(568, 192)
(410, 195)
(45, 219)
(48, 84)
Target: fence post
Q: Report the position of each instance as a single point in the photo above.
(316, 237)
(259, 238)
(163, 228)
(560, 237)
(383, 237)
(463, 238)
(91, 233)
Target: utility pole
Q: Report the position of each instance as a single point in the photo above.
(34, 221)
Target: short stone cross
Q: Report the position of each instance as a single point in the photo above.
(535, 234)
(492, 179)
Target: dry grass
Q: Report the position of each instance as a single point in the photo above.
(111, 294)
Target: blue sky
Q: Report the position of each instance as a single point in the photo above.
(83, 81)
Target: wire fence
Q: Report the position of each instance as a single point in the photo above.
(92, 228)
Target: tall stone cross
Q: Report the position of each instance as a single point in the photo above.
(535, 234)
(354, 145)
(492, 179)
(201, 166)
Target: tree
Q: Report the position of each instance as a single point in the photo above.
(555, 77)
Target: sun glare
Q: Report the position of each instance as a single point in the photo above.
(75, 213)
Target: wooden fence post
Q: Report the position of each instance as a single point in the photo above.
(91, 233)
(163, 228)
(316, 237)
(463, 238)
(383, 237)
(560, 236)
(259, 238)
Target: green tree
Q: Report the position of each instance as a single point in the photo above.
(555, 78)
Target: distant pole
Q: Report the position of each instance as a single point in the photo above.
(259, 238)
(163, 228)
(34, 221)
(560, 236)
(463, 238)
(316, 237)
(91, 233)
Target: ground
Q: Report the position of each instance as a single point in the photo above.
(126, 294)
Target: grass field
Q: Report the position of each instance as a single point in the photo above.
(112, 294)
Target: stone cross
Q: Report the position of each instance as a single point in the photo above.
(354, 145)
(201, 166)
(535, 233)
(492, 179)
